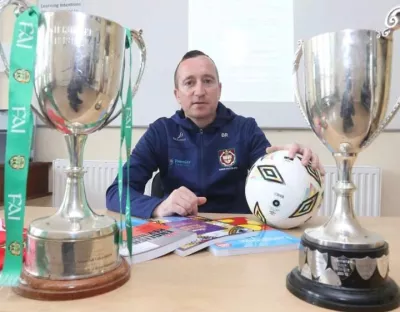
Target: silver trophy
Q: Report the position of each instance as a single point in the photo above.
(79, 71)
(342, 265)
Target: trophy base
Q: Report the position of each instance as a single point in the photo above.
(344, 279)
(51, 290)
(384, 298)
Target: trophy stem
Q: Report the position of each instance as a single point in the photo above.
(75, 204)
(76, 145)
(344, 189)
(343, 223)
(343, 229)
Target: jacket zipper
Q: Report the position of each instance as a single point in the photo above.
(201, 164)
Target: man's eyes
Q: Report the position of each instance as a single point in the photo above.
(191, 82)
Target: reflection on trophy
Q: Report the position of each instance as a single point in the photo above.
(343, 266)
(79, 71)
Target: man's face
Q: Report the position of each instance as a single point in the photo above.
(198, 90)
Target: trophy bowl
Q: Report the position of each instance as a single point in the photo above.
(79, 70)
(342, 265)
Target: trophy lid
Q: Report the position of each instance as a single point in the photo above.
(60, 227)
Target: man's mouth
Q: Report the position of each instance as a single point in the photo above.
(199, 103)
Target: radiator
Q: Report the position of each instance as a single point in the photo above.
(98, 177)
(367, 197)
(100, 174)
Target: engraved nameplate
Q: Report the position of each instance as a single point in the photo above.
(343, 266)
(100, 259)
(71, 30)
(366, 267)
(64, 259)
(72, 35)
(383, 265)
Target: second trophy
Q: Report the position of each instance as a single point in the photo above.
(342, 265)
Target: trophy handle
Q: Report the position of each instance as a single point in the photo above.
(392, 23)
(137, 37)
(21, 6)
(299, 100)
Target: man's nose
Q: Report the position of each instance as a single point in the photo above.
(199, 90)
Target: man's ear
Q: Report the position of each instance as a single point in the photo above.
(176, 93)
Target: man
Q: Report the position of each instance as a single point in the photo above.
(203, 152)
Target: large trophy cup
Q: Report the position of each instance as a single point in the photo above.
(78, 74)
(343, 266)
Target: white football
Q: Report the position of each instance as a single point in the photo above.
(282, 192)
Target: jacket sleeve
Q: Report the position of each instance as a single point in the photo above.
(257, 142)
(144, 160)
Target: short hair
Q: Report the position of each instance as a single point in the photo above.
(189, 55)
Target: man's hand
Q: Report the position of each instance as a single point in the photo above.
(181, 201)
(308, 155)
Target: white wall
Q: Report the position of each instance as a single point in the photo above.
(105, 144)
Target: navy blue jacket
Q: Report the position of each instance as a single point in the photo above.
(212, 162)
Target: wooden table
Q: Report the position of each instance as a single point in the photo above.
(203, 282)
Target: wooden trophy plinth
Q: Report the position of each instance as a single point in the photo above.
(51, 290)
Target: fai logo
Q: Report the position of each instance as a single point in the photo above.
(15, 248)
(22, 76)
(227, 157)
(17, 162)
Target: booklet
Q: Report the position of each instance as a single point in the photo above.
(152, 240)
(268, 239)
(208, 232)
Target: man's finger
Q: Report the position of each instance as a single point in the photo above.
(188, 194)
(194, 210)
(191, 209)
(314, 161)
(274, 148)
(201, 200)
(293, 150)
(179, 210)
(187, 197)
(306, 156)
(321, 169)
(190, 201)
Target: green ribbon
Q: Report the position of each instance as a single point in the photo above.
(19, 139)
(126, 134)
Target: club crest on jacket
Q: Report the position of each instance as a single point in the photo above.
(227, 157)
